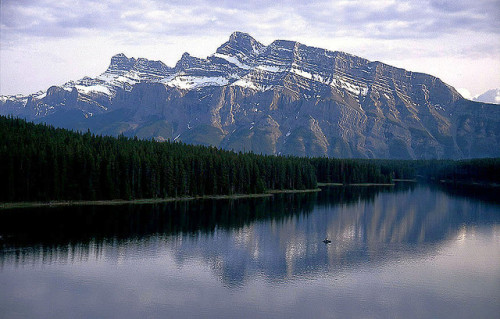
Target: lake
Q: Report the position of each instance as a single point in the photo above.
(408, 251)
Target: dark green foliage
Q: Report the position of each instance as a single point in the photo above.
(38, 162)
(349, 171)
(484, 170)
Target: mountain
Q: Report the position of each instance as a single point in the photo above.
(490, 96)
(283, 98)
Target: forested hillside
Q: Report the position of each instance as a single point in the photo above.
(39, 162)
(347, 171)
(481, 170)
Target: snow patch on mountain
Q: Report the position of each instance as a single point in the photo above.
(258, 49)
(300, 72)
(107, 77)
(247, 83)
(192, 82)
(41, 95)
(93, 89)
(16, 97)
(232, 60)
(271, 68)
(350, 87)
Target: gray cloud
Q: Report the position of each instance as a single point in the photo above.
(411, 19)
(456, 39)
(385, 19)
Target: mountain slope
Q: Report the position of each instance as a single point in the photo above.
(284, 98)
(490, 96)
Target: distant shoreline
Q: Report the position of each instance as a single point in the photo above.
(469, 183)
(287, 191)
(356, 184)
(113, 202)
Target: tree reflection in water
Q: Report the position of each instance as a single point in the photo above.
(279, 237)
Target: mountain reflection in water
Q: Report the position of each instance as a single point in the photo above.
(279, 238)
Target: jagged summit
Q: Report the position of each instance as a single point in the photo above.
(119, 56)
(245, 62)
(187, 61)
(120, 62)
(238, 36)
(283, 98)
(242, 45)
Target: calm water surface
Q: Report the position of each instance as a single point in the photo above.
(409, 251)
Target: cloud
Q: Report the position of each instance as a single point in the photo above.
(465, 93)
(367, 18)
(376, 29)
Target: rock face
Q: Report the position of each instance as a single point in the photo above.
(284, 98)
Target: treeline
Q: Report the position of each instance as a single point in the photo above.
(39, 162)
(484, 170)
(348, 171)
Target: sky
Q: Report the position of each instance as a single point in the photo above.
(46, 42)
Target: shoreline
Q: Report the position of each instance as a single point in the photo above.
(289, 191)
(469, 183)
(355, 184)
(113, 202)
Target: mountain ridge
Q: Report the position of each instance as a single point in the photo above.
(283, 98)
(490, 96)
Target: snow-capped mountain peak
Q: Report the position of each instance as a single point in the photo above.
(241, 61)
(299, 100)
(490, 96)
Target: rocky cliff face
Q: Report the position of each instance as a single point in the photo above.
(284, 98)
